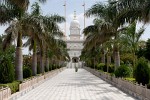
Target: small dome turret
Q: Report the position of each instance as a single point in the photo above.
(75, 23)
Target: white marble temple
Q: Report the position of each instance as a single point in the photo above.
(74, 44)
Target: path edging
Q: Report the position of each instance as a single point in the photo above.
(45, 77)
(120, 83)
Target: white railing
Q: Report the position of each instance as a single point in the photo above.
(30, 84)
(5, 93)
(38, 79)
(137, 90)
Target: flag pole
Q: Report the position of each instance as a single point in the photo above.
(65, 17)
(84, 14)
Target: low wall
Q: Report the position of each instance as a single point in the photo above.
(32, 83)
(134, 89)
(5, 93)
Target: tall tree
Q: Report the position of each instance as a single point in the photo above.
(130, 38)
(134, 10)
(110, 22)
(44, 39)
(18, 28)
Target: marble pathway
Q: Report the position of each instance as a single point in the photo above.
(71, 85)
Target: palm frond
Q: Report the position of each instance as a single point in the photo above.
(96, 10)
(7, 40)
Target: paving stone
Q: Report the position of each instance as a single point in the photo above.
(71, 85)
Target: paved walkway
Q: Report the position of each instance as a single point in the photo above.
(71, 85)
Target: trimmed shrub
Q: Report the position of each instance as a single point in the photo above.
(14, 86)
(46, 70)
(142, 71)
(7, 73)
(53, 67)
(102, 66)
(123, 71)
(50, 67)
(27, 72)
(121, 62)
(127, 58)
(111, 68)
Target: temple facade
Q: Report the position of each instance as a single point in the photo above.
(74, 44)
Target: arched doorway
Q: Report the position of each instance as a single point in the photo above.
(75, 59)
(75, 62)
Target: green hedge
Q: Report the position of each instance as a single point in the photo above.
(14, 86)
(27, 72)
(7, 74)
(123, 71)
(111, 68)
(142, 71)
(100, 66)
(103, 67)
(46, 69)
(6, 71)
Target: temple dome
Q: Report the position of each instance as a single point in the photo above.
(74, 24)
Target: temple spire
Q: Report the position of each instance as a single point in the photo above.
(75, 15)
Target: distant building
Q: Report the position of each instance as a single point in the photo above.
(74, 44)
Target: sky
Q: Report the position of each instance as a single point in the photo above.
(56, 7)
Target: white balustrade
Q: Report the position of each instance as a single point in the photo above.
(5, 93)
(137, 90)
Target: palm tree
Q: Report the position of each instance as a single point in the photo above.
(23, 4)
(134, 10)
(11, 9)
(110, 23)
(50, 24)
(9, 13)
(60, 53)
(52, 45)
(46, 37)
(18, 28)
(130, 38)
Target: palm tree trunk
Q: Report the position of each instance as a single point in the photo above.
(41, 63)
(103, 58)
(117, 59)
(19, 59)
(47, 59)
(103, 55)
(117, 55)
(108, 61)
(47, 63)
(134, 59)
(34, 60)
(34, 64)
